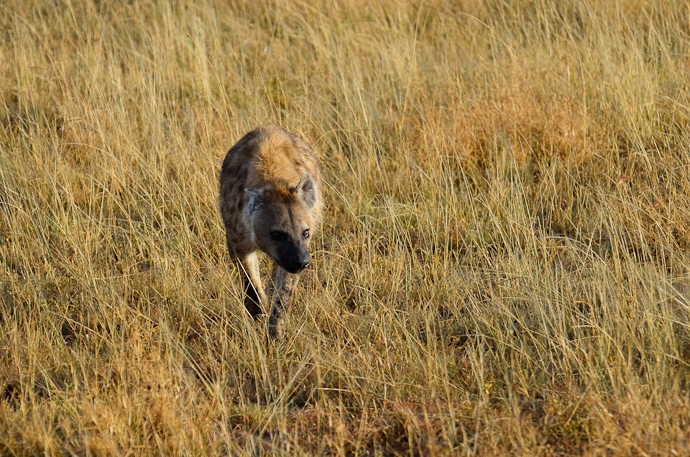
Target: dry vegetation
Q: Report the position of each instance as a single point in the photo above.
(503, 268)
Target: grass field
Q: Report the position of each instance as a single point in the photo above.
(503, 268)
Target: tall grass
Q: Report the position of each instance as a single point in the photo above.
(503, 266)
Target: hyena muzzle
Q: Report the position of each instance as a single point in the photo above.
(270, 201)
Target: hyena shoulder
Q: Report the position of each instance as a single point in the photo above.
(281, 158)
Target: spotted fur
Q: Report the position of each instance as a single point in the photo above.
(270, 201)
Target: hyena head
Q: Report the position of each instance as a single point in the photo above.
(282, 221)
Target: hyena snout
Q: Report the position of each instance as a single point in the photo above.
(293, 257)
(297, 265)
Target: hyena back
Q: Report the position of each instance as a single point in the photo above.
(270, 201)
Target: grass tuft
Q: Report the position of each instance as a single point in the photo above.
(503, 266)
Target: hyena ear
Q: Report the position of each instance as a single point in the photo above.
(256, 199)
(306, 190)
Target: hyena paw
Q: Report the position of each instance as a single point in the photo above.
(275, 328)
(252, 307)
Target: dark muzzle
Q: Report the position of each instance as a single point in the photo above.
(297, 266)
(294, 258)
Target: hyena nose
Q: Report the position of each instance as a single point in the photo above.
(297, 265)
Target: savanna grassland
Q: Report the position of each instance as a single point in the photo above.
(503, 267)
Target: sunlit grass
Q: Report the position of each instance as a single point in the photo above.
(503, 265)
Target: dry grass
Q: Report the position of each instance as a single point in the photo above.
(503, 268)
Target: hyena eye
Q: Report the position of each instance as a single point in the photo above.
(306, 233)
(277, 235)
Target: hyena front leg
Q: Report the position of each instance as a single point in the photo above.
(255, 297)
(282, 297)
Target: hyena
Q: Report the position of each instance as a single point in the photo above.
(270, 201)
